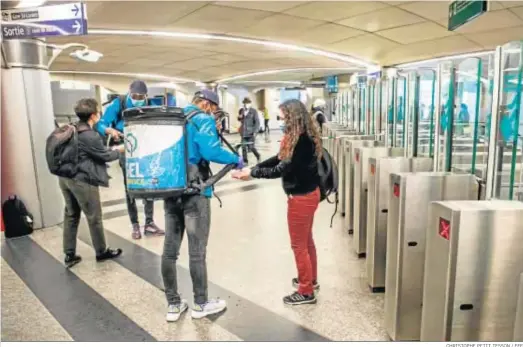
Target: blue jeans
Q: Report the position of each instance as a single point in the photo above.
(191, 214)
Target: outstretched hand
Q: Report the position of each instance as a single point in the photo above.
(243, 175)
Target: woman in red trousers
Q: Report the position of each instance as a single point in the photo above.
(297, 165)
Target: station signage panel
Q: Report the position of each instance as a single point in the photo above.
(463, 11)
(332, 84)
(69, 19)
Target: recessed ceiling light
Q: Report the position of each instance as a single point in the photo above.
(132, 74)
(319, 52)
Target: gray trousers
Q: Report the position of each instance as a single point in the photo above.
(191, 214)
(82, 197)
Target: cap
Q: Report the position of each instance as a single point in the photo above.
(138, 87)
(318, 103)
(208, 95)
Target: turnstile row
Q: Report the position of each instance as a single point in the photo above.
(409, 199)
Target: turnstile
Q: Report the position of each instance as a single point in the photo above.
(518, 324)
(349, 179)
(337, 142)
(361, 174)
(377, 211)
(472, 268)
(343, 163)
(409, 197)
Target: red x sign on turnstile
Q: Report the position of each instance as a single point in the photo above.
(444, 228)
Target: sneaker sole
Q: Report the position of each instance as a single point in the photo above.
(316, 288)
(71, 264)
(202, 314)
(153, 233)
(176, 318)
(307, 302)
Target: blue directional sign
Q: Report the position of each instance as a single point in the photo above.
(55, 20)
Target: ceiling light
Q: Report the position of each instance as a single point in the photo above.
(336, 56)
(132, 74)
(446, 58)
(270, 82)
(270, 72)
(30, 3)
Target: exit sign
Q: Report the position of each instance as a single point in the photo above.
(463, 11)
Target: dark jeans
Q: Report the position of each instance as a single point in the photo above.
(249, 146)
(266, 126)
(82, 197)
(131, 203)
(193, 215)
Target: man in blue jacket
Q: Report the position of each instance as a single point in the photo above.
(111, 124)
(192, 213)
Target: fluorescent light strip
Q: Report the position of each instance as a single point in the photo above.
(270, 72)
(448, 57)
(281, 45)
(270, 82)
(127, 74)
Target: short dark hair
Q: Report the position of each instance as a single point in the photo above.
(84, 108)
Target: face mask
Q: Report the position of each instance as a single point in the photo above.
(247, 106)
(138, 103)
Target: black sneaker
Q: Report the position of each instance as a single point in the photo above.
(71, 260)
(296, 284)
(109, 254)
(299, 299)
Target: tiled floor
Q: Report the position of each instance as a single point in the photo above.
(249, 261)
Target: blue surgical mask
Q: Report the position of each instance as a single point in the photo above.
(138, 103)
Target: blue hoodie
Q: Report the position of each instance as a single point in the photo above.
(110, 118)
(204, 143)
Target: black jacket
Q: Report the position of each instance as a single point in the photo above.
(299, 174)
(93, 157)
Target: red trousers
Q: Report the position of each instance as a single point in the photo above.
(300, 216)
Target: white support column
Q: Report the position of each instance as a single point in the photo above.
(27, 121)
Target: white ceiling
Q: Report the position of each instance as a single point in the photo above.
(386, 33)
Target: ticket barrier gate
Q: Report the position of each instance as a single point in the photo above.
(330, 134)
(361, 174)
(342, 163)
(472, 270)
(518, 325)
(378, 208)
(350, 146)
(337, 143)
(410, 195)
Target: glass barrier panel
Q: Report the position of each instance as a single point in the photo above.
(446, 116)
(465, 127)
(507, 178)
(391, 87)
(426, 126)
(399, 131)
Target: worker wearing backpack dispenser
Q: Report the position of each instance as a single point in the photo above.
(189, 211)
(112, 124)
(297, 165)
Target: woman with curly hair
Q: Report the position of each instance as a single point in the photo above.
(297, 165)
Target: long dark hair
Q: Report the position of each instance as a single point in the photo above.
(297, 121)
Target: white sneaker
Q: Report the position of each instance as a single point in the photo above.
(212, 306)
(175, 311)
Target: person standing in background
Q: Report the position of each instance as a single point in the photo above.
(111, 124)
(250, 124)
(318, 113)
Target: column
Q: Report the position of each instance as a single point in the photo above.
(27, 120)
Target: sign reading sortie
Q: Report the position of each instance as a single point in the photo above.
(55, 20)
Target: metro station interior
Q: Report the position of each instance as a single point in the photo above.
(424, 124)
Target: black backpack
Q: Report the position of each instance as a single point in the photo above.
(17, 220)
(328, 172)
(61, 151)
